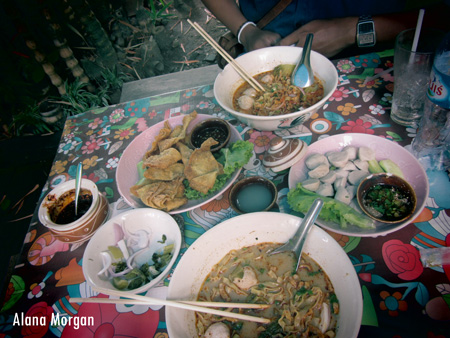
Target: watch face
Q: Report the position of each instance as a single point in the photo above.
(366, 34)
(365, 27)
(365, 39)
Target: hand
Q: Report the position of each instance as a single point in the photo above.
(254, 38)
(330, 36)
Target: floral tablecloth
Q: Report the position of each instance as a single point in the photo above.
(401, 297)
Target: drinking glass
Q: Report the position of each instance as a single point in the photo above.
(411, 74)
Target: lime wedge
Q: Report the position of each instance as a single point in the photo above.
(120, 283)
(115, 252)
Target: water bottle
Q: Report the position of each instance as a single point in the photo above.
(432, 142)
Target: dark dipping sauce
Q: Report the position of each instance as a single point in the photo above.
(387, 202)
(63, 212)
(217, 132)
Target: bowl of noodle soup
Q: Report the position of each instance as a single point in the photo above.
(262, 229)
(264, 60)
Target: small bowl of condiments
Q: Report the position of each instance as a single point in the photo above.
(253, 194)
(386, 198)
(57, 211)
(216, 128)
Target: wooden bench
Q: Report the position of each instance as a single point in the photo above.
(168, 83)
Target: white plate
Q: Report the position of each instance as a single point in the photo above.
(384, 149)
(156, 222)
(127, 173)
(251, 229)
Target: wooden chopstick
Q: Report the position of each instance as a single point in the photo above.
(164, 302)
(150, 302)
(241, 71)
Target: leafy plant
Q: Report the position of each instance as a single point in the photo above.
(112, 79)
(158, 14)
(78, 99)
(29, 121)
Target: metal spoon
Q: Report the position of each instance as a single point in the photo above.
(78, 185)
(297, 241)
(303, 76)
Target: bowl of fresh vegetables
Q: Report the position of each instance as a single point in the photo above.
(333, 169)
(132, 251)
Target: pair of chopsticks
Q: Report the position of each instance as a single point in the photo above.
(198, 306)
(241, 71)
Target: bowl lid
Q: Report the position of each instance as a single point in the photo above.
(284, 153)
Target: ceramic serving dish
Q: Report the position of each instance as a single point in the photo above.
(127, 174)
(81, 229)
(266, 59)
(251, 229)
(384, 149)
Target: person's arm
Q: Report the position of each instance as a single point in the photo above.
(333, 36)
(228, 12)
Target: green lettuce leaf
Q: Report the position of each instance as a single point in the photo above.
(301, 199)
(236, 156)
(232, 158)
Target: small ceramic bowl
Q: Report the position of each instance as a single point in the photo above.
(284, 153)
(54, 211)
(371, 191)
(253, 194)
(216, 128)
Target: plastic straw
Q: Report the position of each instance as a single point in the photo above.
(417, 34)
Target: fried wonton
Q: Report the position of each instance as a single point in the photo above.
(170, 173)
(163, 195)
(202, 168)
(164, 159)
(185, 152)
(163, 134)
(178, 134)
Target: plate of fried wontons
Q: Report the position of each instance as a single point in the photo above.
(168, 161)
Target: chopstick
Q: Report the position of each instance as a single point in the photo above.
(241, 71)
(187, 305)
(151, 302)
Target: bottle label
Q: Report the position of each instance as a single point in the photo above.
(439, 88)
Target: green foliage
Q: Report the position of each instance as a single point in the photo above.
(78, 99)
(29, 121)
(157, 11)
(112, 79)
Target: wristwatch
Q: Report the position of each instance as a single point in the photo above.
(365, 32)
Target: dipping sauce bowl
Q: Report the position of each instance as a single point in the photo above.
(216, 128)
(386, 198)
(57, 211)
(253, 194)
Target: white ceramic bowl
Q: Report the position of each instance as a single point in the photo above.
(266, 59)
(251, 229)
(156, 222)
(384, 149)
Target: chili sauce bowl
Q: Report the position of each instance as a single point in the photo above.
(216, 128)
(266, 59)
(57, 211)
(253, 194)
(386, 198)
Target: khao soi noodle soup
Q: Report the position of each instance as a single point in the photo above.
(303, 303)
(280, 97)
